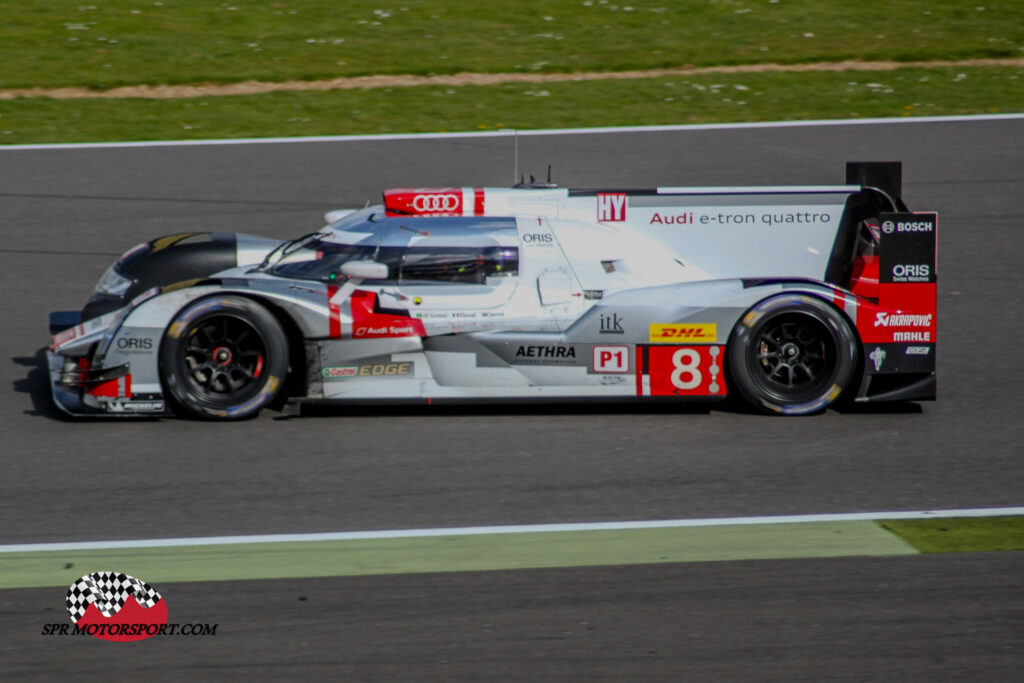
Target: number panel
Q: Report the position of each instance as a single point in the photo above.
(686, 370)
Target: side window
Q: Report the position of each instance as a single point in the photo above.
(323, 260)
(458, 265)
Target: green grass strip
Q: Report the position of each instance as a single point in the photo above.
(960, 535)
(672, 100)
(482, 552)
(105, 44)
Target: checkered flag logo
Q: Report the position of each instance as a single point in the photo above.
(108, 591)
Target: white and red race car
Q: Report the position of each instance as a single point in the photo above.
(792, 298)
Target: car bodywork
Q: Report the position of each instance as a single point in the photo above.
(527, 293)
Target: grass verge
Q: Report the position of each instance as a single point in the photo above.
(671, 100)
(74, 42)
(961, 535)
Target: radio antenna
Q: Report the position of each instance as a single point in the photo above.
(515, 162)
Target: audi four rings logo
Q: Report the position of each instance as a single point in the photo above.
(436, 202)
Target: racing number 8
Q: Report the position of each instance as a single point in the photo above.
(683, 370)
(686, 362)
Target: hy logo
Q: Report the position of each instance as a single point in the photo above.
(114, 606)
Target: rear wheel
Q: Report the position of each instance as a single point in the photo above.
(224, 357)
(792, 354)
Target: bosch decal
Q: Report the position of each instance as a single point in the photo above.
(889, 227)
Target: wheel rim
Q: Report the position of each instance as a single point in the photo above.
(794, 356)
(223, 359)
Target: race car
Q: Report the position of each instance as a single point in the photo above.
(791, 299)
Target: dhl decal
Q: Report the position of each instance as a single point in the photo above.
(694, 333)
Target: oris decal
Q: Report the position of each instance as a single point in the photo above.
(540, 239)
(911, 273)
(134, 345)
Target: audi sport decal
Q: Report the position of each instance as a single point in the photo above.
(366, 324)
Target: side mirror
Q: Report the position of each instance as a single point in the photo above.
(337, 215)
(365, 270)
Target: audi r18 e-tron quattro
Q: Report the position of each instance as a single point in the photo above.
(790, 298)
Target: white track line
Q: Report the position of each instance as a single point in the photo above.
(524, 133)
(517, 529)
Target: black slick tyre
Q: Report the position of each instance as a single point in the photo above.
(223, 358)
(792, 354)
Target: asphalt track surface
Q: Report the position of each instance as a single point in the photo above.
(66, 214)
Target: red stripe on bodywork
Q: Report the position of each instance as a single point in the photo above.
(639, 370)
(333, 314)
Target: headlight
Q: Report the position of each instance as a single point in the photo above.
(113, 283)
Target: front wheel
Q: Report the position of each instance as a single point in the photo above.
(792, 354)
(223, 357)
